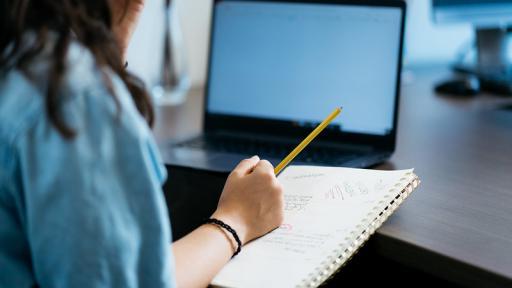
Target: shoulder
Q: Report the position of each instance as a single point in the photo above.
(85, 94)
(110, 131)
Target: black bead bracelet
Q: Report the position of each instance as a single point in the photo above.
(230, 230)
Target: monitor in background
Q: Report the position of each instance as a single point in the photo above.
(491, 19)
(295, 62)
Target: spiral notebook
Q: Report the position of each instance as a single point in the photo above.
(329, 214)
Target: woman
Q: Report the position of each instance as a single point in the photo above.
(80, 177)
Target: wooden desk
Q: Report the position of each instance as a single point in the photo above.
(458, 225)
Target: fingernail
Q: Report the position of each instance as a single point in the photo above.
(255, 157)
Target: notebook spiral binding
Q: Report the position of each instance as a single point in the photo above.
(364, 230)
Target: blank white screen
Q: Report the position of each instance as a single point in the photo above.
(296, 62)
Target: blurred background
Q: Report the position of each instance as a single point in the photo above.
(426, 42)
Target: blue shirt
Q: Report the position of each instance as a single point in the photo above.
(82, 212)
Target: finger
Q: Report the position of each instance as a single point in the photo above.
(264, 167)
(247, 165)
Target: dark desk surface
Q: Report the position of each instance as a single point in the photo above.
(458, 225)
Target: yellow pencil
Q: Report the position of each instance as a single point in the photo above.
(306, 141)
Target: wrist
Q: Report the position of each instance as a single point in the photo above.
(235, 222)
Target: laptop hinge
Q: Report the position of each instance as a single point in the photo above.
(292, 140)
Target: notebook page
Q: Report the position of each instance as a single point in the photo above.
(322, 207)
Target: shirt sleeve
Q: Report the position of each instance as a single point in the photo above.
(95, 212)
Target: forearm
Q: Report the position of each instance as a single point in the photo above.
(251, 204)
(200, 255)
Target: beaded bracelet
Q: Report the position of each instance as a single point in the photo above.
(230, 230)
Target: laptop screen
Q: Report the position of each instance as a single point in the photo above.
(298, 61)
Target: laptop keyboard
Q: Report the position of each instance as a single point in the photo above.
(266, 149)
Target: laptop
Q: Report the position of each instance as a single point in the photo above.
(277, 68)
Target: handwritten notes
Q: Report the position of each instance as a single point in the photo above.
(294, 202)
(305, 176)
(346, 190)
(296, 241)
(324, 207)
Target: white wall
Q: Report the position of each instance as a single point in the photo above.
(430, 42)
(195, 16)
(144, 54)
(425, 41)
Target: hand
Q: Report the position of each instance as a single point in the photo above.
(125, 16)
(252, 201)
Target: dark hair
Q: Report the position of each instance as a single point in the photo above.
(87, 21)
